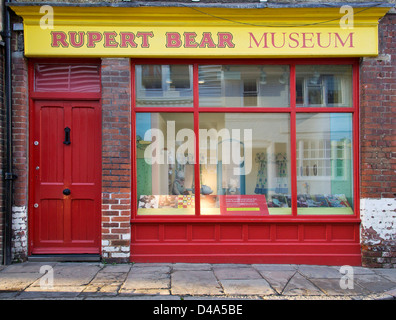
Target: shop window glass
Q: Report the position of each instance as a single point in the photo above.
(324, 86)
(165, 163)
(324, 163)
(164, 86)
(243, 86)
(244, 163)
(51, 77)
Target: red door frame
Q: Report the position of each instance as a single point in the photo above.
(53, 96)
(331, 223)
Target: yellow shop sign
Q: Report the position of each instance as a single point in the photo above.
(139, 32)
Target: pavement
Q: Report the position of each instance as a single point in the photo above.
(184, 281)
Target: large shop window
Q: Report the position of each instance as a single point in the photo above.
(240, 139)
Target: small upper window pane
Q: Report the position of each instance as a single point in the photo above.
(51, 77)
(324, 86)
(164, 86)
(243, 86)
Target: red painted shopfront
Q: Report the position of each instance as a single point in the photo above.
(310, 128)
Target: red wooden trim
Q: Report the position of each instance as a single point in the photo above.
(159, 110)
(325, 110)
(133, 146)
(245, 110)
(293, 140)
(244, 61)
(67, 60)
(247, 219)
(293, 110)
(65, 96)
(356, 138)
(197, 184)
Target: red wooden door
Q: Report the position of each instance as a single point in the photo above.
(66, 169)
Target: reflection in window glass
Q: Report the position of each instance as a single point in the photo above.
(324, 86)
(243, 86)
(165, 163)
(164, 86)
(324, 163)
(244, 163)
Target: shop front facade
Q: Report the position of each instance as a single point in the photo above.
(220, 133)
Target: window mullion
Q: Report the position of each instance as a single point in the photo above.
(293, 142)
(197, 186)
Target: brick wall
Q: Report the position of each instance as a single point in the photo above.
(20, 136)
(378, 150)
(116, 160)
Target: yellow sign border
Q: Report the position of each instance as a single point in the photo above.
(187, 32)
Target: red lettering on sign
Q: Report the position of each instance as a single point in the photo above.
(350, 37)
(109, 41)
(93, 38)
(189, 40)
(173, 40)
(127, 39)
(294, 40)
(73, 39)
(273, 40)
(263, 37)
(58, 38)
(207, 40)
(225, 39)
(145, 38)
(319, 42)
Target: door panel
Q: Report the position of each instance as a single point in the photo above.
(52, 119)
(67, 177)
(83, 119)
(51, 220)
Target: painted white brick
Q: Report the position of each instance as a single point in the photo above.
(380, 216)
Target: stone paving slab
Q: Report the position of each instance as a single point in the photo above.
(278, 279)
(315, 272)
(224, 273)
(195, 283)
(149, 280)
(247, 287)
(13, 281)
(332, 287)
(374, 283)
(298, 285)
(176, 281)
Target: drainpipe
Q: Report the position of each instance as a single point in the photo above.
(8, 176)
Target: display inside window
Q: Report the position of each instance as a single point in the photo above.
(164, 86)
(165, 163)
(244, 163)
(324, 163)
(324, 86)
(243, 86)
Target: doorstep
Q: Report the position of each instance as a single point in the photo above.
(65, 258)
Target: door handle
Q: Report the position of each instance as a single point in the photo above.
(66, 192)
(67, 136)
